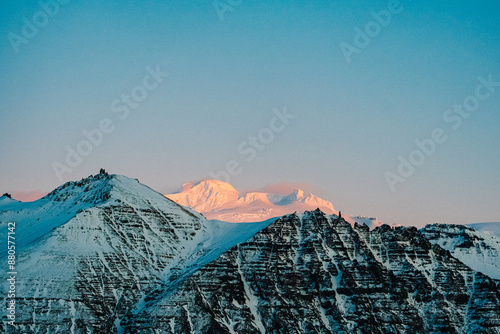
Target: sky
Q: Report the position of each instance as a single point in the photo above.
(386, 108)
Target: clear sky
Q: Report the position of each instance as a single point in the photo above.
(361, 91)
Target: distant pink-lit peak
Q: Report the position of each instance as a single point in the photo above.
(208, 184)
(220, 200)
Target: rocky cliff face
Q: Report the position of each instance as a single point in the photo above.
(316, 274)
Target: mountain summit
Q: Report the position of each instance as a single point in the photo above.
(219, 200)
(92, 252)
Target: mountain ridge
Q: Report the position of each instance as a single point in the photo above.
(492, 228)
(110, 255)
(220, 200)
(313, 273)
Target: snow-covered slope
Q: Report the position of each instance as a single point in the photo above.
(478, 250)
(35, 219)
(7, 201)
(92, 252)
(219, 200)
(488, 228)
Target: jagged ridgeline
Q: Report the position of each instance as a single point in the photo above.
(110, 255)
(312, 273)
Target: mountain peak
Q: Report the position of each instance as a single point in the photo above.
(220, 200)
(204, 196)
(208, 185)
(6, 200)
(94, 188)
(102, 191)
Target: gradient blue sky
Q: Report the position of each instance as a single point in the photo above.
(352, 121)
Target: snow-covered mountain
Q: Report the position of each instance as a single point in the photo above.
(91, 252)
(312, 273)
(479, 250)
(492, 228)
(109, 255)
(219, 200)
